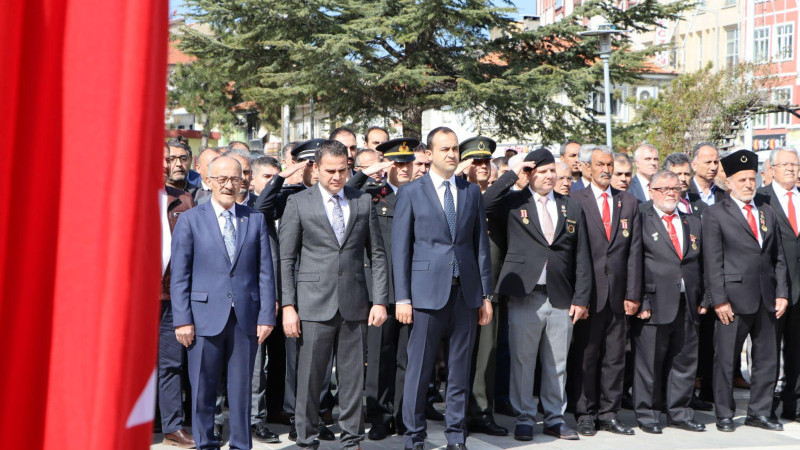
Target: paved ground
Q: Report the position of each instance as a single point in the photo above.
(744, 437)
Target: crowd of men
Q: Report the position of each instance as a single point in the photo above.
(403, 267)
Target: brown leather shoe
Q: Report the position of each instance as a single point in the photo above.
(180, 439)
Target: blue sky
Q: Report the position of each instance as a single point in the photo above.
(526, 7)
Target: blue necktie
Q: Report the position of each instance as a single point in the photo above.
(338, 219)
(229, 234)
(450, 213)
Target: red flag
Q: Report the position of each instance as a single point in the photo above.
(82, 123)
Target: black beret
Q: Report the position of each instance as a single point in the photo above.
(541, 157)
(738, 161)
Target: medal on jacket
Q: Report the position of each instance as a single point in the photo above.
(624, 224)
(384, 191)
(564, 211)
(655, 237)
(693, 238)
(763, 222)
(570, 226)
(524, 214)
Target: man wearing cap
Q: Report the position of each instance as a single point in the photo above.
(387, 354)
(748, 282)
(547, 274)
(784, 197)
(443, 283)
(665, 336)
(476, 155)
(597, 356)
(324, 233)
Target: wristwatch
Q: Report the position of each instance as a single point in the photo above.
(489, 297)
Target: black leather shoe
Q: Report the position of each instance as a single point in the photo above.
(763, 422)
(523, 432)
(280, 417)
(457, 447)
(263, 434)
(587, 427)
(505, 409)
(419, 446)
(700, 405)
(432, 414)
(614, 426)
(292, 432)
(689, 425)
(325, 434)
(218, 433)
(378, 432)
(561, 431)
(652, 428)
(488, 426)
(725, 425)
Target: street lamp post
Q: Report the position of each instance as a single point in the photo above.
(604, 33)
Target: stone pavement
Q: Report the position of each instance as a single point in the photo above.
(743, 438)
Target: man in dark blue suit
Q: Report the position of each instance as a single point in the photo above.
(223, 300)
(646, 159)
(443, 283)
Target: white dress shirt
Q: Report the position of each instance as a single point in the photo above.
(326, 201)
(645, 186)
(598, 196)
(676, 222)
(218, 209)
(438, 184)
(166, 234)
(552, 210)
(741, 206)
(784, 200)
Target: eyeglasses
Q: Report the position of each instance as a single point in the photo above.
(222, 181)
(171, 159)
(667, 190)
(786, 165)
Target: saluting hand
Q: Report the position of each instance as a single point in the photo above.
(185, 334)
(291, 322)
(725, 313)
(485, 313)
(377, 167)
(377, 315)
(404, 313)
(780, 306)
(462, 166)
(289, 171)
(262, 331)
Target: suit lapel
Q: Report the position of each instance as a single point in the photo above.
(430, 191)
(214, 230)
(352, 203)
(616, 207)
(241, 230)
(560, 219)
(686, 234)
(461, 202)
(593, 211)
(774, 200)
(659, 224)
(319, 209)
(738, 217)
(534, 226)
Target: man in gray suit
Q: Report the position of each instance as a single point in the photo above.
(327, 228)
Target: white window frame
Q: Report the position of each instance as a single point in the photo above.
(761, 57)
(788, 48)
(782, 119)
(760, 121)
(735, 42)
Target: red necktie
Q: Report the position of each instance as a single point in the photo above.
(673, 235)
(751, 220)
(606, 216)
(791, 214)
(687, 205)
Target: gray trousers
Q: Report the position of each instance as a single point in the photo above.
(317, 341)
(535, 327)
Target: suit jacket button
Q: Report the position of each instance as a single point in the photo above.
(230, 295)
(231, 274)
(341, 251)
(340, 273)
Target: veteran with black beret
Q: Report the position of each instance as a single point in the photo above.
(748, 287)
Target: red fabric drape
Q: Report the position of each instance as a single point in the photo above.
(82, 122)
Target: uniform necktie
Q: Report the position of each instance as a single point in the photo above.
(673, 234)
(606, 216)
(792, 215)
(450, 214)
(547, 222)
(751, 220)
(338, 219)
(229, 234)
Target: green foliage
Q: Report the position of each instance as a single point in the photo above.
(367, 59)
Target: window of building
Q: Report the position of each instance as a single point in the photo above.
(784, 41)
(781, 96)
(597, 100)
(761, 45)
(760, 121)
(732, 47)
(699, 51)
(729, 3)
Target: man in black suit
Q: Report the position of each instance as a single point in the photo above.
(203, 192)
(598, 350)
(747, 279)
(783, 196)
(387, 345)
(646, 158)
(547, 274)
(665, 337)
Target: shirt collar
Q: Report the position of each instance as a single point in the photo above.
(597, 192)
(742, 205)
(437, 180)
(710, 190)
(643, 181)
(781, 192)
(661, 213)
(205, 186)
(218, 208)
(536, 196)
(394, 188)
(326, 195)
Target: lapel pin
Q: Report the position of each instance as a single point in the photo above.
(655, 236)
(524, 214)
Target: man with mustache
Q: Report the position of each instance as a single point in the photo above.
(598, 349)
(177, 169)
(623, 172)
(748, 284)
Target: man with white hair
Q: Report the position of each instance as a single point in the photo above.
(646, 159)
(585, 158)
